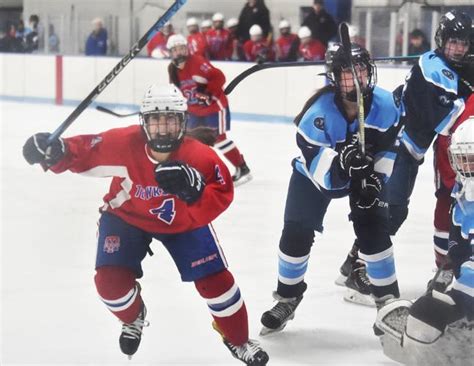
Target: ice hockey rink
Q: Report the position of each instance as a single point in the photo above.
(51, 314)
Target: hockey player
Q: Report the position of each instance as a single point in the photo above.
(287, 44)
(201, 84)
(197, 43)
(165, 186)
(332, 166)
(256, 49)
(310, 49)
(438, 328)
(219, 40)
(433, 98)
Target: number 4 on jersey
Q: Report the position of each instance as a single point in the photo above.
(166, 211)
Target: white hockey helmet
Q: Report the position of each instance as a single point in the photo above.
(206, 23)
(176, 40)
(163, 102)
(255, 30)
(461, 156)
(218, 17)
(284, 24)
(304, 32)
(232, 22)
(191, 22)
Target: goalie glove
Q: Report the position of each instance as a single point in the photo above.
(37, 151)
(180, 179)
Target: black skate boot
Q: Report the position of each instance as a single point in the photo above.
(275, 320)
(346, 267)
(132, 334)
(358, 285)
(242, 175)
(250, 353)
(441, 281)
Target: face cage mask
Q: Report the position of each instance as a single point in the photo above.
(366, 89)
(463, 164)
(452, 58)
(164, 141)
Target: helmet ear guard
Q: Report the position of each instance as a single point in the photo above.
(164, 103)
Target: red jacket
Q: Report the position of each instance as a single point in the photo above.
(197, 45)
(122, 154)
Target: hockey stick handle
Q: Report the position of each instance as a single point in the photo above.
(136, 48)
(109, 111)
(272, 65)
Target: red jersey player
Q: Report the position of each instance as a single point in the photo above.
(197, 43)
(287, 44)
(310, 49)
(202, 85)
(256, 48)
(165, 186)
(219, 39)
(156, 47)
(445, 179)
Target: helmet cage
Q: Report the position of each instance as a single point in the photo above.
(164, 130)
(336, 62)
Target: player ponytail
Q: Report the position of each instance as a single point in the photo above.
(310, 102)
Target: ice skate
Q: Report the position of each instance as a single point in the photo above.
(275, 320)
(132, 334)
(358, 285)
(242, 175)
(441, 280)
(250, 353)
(346, 268)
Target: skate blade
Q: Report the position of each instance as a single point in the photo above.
(358, 298)
(341, 280)
(266, 331)
(243, 180)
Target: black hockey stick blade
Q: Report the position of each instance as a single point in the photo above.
(109, 111)
(346, 41)
(136, 48)
(273, 65)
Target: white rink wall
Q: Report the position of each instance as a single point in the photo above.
(271, 95)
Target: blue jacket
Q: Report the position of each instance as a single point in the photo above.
(96, 44)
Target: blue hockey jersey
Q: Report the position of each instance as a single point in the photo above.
(431, 103)
(323, 131)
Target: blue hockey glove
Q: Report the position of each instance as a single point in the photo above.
(365, 198)
(354, 163)
(180, 179)
(37, 151)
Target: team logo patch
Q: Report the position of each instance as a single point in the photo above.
(111, 244)
(319, 123)
(448, 74)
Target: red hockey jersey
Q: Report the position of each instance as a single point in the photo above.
(199, 76)
(134, 194)
(312, 51)
(258, 51)
(444, 172)
(197, 45)
(220, 44)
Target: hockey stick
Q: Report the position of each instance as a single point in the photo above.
(346, 47)
(109, 111)
(136, 48)
(272, 65)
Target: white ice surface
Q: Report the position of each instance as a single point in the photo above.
(51, 314)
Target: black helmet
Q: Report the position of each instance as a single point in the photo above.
(456, 25)
(336, 60)
(453, 24)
